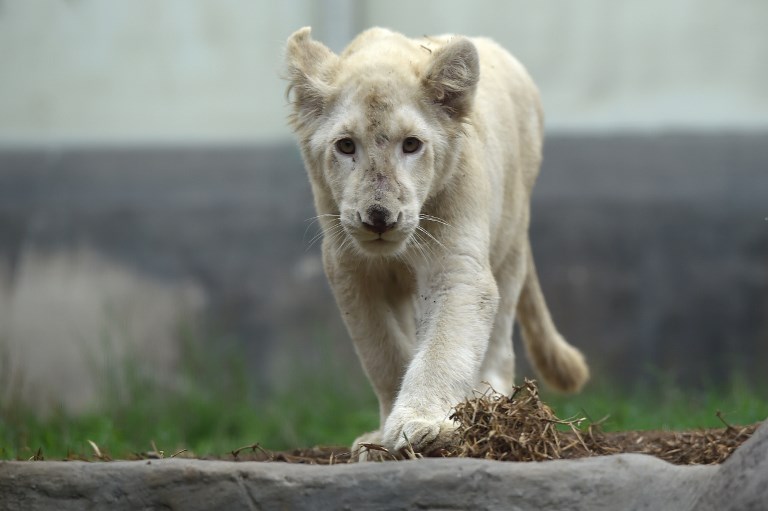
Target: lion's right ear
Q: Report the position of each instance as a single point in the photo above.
(452, 76)
(308, 63)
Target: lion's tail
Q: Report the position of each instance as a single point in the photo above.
(560, 365)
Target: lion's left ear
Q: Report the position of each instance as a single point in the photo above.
(451, 78)
(307, 63)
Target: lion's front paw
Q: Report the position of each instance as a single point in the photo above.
(364, 448)
(408, 429)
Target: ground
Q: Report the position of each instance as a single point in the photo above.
(521, 427)
(706, 446)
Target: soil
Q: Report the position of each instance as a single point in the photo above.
(520, 427)
(706, 446)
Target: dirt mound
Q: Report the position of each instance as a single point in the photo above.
(520, 427)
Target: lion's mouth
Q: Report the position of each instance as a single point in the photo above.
(379, 241)
(389, 241)
(381, 245)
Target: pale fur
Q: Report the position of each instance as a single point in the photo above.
(429, 303)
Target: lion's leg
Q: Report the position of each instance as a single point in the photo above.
(498, 368)
(378, 339)
(381, 327)
(460, 299)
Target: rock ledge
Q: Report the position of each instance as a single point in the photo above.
(625, 481)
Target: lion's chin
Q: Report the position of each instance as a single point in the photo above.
(381, 247)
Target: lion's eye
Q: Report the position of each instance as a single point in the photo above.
(346, 146)
(411, 145)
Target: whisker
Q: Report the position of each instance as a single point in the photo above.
(429, 234)
(412, 256)
(320, 234)
(431, 218)
(405, 259)
(421, 246)
(424, 246)
(314, 220)
(337, 235)
(314, 239)
(346, 243)
(330, 232)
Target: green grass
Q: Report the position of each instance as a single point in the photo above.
(213, 410)
(205, 424)
(210, 410)
(661, 405)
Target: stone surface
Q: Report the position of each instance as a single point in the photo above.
(625, 482)
(588, 484)
(742, 481)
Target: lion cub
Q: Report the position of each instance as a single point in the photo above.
(422, 154)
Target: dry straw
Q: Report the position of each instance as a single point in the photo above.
(518, 427)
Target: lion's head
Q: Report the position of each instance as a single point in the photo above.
(379, 138)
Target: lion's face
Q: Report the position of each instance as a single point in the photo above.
(377, 154)
(376, 136)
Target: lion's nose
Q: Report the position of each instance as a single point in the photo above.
(378, 220)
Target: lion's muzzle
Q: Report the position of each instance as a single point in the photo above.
(378, 219)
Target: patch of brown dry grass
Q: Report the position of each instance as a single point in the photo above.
(520, 427)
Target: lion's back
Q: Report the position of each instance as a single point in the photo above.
(508, 111)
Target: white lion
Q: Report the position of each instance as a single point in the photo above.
(422, 154)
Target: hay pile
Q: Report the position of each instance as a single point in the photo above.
(522, 428)
(518, 427)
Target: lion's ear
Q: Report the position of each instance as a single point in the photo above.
(307, 62)
(451, 78)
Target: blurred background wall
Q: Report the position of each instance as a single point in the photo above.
(149, 184)
(151, 71)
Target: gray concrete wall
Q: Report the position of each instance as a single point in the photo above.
(651, 250)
